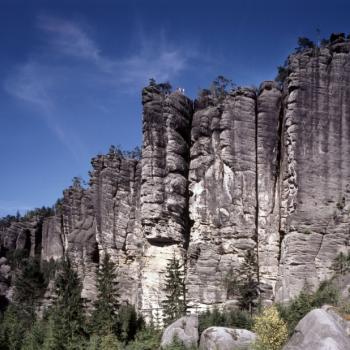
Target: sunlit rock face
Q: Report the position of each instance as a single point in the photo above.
(315, 176)
(167, 122)
(222, 205)
(265, 170)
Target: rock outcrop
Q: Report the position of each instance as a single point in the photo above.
(222, 338)
(265, 170)
(183, 330)
(319, 330)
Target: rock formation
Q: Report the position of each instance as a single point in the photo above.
(265, 170)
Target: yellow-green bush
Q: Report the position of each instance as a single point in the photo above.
(270, 329)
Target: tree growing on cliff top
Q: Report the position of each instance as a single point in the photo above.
(305, 43)
(220, 85)
(175, 304)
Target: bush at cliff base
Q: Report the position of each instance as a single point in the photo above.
(270, 329)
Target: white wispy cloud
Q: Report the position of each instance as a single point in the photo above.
(151, 58)
(71, 60)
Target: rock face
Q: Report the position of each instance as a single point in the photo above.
(185, 330)
(222, 193)
(315, 179)
(319, 330)
(222, 338)
(263, 170)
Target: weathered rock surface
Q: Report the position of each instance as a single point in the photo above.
(265, 170)
(315, 172)
(185, 330)
(319, 330)
(222, 338)
(222, 204)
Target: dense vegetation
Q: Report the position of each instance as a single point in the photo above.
(110, 325)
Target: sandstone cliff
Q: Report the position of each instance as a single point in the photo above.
(265, 170)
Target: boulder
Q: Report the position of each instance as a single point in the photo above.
(222, 338)
(185, 329)
(320, 329)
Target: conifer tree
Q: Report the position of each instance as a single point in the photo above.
(248, 283)
(67, 321)
(174, 306)
(34, 339)
(104, 317)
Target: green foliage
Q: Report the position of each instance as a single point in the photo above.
(220, 86)
(7, 220)
(110, 342)
(305, 43)
(104, 317)
(271, 330)
(248, 283)
(35, 338)
(148, 338)
(178, 345)
(42, 212)
(17, 258)
(12, 329)
(231, 318)
(67, 320)
(29, 285)
(128, 323)
(134, 153)
(305, 302)
(282, 74)
(174, 306)
(164, 88)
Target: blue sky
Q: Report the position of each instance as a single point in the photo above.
(71, 73)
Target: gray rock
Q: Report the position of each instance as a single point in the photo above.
(222, 338)
(319, 330)
(185, 329)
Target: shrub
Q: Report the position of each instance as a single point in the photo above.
(178, 345)
(282, 74)
(233, 318)
(305, 43)
(271, 330)
(129, 323)
(147, 339)
(305, 302)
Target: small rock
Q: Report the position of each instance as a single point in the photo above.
(222, 338)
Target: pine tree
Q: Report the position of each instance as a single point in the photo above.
(29, 286)
(129, 323)
(248, 283)
(34, 339)
(67, 320)
(12, 330)
(104, 317)
(174, 306)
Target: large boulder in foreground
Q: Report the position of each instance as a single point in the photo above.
(320, 329)
(185, 329)
(222, 338)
